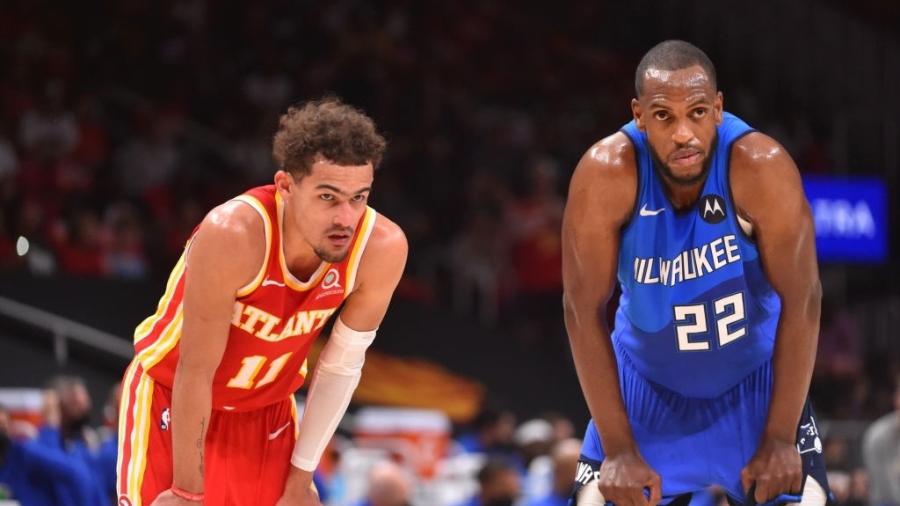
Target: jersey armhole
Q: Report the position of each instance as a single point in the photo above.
(637, 190)
(356, 255)
(267, 225)
(735, 218)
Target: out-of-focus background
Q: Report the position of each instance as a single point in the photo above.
(123, 122)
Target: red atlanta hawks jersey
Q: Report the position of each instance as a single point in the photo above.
(276, 317)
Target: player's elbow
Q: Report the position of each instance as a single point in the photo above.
(814, 300)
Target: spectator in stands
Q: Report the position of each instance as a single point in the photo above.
(109, 449)
(562, 427)
(491, 433)
(881, 453)
(565, 461)
(389, 485)
(35, 475)
(499, 484)
(534, 442)
(66, 432)
(535, 221)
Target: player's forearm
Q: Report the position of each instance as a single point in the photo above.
(334, 381)
(795, 353)
(597, 371)
(191, 407)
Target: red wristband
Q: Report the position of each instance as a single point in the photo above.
(187, 496)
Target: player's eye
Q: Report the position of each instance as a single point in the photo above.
(359, 198)
(661, 115)
(326, 197)
(699, 113)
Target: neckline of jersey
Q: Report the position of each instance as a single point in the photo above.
(289, 278)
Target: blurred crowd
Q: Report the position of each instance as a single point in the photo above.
(118, 132)
(61, 459)
(122, 123)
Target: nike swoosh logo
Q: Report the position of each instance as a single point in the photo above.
(279, 431)
(269, 282)
(647, 212)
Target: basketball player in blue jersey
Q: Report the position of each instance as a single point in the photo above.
(704, 379)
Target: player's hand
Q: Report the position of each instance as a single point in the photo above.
(624, 477)
(167, 498)
(299, 490)
(776, 469)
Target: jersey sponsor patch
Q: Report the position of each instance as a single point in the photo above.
(712, 208)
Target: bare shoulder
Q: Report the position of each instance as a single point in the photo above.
(609, 159)
(606, 178)
(758, 157)
(236, 222)
(231, 239)
(764, 178)
(387, 237)
(385, 255)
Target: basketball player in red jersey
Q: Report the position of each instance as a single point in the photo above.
(208, 413)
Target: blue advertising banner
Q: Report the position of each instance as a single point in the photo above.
(850, 216)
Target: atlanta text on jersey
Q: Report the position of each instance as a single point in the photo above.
(248, 318)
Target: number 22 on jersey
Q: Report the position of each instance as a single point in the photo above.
(729, 318)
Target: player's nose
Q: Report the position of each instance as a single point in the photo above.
(343, 216)
(682, 134)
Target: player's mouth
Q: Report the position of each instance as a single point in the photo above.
(339, 239)
(686, 158)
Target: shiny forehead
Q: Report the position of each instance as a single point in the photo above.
(690, 81)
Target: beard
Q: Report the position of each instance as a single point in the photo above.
(669, 175)
(331, 257)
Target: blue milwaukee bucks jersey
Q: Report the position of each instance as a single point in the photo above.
(696, 314)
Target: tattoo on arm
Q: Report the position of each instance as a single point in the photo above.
(200, 444)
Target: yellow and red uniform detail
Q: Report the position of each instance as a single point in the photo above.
(275, 321)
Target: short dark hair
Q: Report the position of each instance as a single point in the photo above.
(673, 55)
(329, 128)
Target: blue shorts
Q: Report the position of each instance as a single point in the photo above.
(695, 443)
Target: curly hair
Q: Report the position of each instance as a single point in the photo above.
(326, 128)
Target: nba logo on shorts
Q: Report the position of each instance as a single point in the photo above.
(164, 419)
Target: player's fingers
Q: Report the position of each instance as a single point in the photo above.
(636, 495)
(746, 479)
(797, 483)
(655, 486)
(763, 487)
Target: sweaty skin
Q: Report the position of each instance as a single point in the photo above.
(226, 253)
(679, 111)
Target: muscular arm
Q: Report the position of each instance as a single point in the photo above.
(768, 192)
(225, 254)
(380, 270)
(340, 363)
(601, 197)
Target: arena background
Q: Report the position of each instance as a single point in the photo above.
(123, 122)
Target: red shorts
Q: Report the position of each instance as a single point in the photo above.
(247, 455)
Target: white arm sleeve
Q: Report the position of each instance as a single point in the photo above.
(333, 382)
